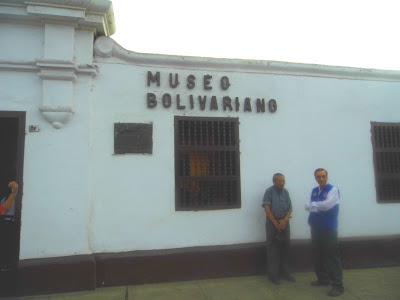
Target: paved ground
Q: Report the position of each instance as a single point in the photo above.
(362, 284)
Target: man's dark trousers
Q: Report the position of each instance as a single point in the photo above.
(327, 265)
(8, 257)
(8, 243)
(278, 244)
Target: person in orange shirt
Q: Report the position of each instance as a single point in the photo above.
(7, 202)
(7, 227)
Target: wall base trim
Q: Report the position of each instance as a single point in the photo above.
(86, 272)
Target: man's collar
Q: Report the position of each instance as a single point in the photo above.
(322, 188)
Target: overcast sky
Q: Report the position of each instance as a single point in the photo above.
(345, 33)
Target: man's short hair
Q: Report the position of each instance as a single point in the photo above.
(276, 175)
(319, 170)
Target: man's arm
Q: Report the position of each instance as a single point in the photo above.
(285, 220)
(271, 217)
(267, 202)
(310, 206)
(288, 215)
(8, 204)
(331, 200)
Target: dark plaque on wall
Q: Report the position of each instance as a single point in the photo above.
(133, 138)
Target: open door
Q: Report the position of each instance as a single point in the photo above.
(12, 137)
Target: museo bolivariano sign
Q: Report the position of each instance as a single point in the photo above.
(205, 101)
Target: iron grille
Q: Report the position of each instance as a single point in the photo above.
(207, 173)
(386, 147)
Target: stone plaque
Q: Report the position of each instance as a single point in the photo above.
(133, 138)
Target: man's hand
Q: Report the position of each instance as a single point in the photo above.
(283, 223)
(277, 226)
(7, 205)
(311, 207)
(13, 185)
(271, 217)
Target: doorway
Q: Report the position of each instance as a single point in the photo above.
(12, 138)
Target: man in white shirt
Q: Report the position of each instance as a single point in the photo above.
(323, 220)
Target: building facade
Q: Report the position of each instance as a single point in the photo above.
(142, 168)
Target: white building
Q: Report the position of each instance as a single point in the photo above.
(141, 168)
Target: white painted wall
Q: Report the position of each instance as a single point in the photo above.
(320, 122)
(56, 193)
(55, 204)
(21, 42)
(80, 198)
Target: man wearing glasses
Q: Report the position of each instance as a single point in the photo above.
(323, 220)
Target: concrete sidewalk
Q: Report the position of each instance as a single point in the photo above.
(362, 284)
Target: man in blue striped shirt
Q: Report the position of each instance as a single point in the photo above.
(323, 220)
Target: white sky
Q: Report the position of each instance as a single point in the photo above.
(345, 33)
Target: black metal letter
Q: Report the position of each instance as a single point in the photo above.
(190, 82)
(202, 102)
(173, 84)
(166, 100)
(272, 105)
(151, 100)
(213, 103)
(191, 102)
(225, 83)
(260, 105)
(247, 104)
(178, 102)
(237, 104)
(227, 102)
(207, 81)
(153, 78)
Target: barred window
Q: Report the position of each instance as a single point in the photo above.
(207, 170)
(386, 148)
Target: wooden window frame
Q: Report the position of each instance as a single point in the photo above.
(386, 143)
(218, 158)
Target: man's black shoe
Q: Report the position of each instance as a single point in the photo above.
(319, 283)
(289, 278)
(336, 291)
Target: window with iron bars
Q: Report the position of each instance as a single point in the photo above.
(207, 167)
(386, 149)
